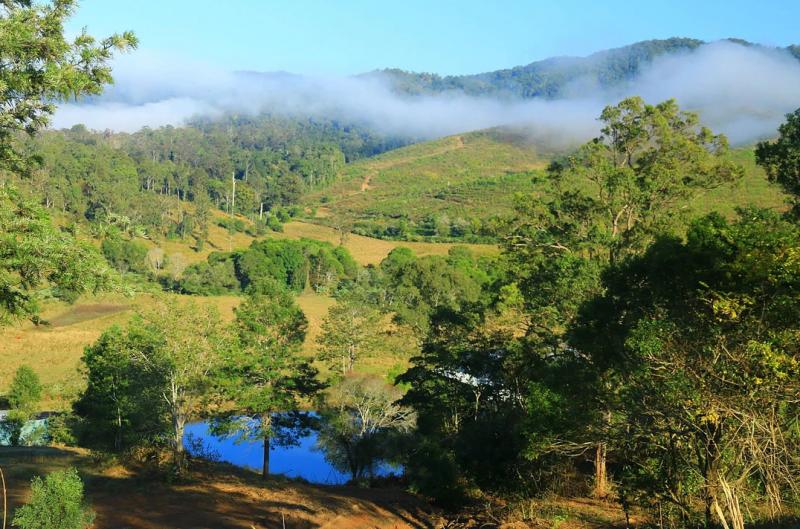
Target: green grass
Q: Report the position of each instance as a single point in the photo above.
(460, 178)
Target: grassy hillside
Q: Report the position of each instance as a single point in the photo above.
(430, 189)
(452, 189)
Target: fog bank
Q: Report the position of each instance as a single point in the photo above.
(741, 91)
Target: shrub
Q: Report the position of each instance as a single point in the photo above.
(56, 503)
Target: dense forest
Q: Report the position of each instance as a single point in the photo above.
(620, 347)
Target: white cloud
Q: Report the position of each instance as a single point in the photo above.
(738, 90)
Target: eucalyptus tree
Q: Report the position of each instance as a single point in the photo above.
(610, 199)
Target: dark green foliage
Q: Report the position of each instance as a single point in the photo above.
(42, 67)
(703, 337)
(121, 406)
(548, 78)
(56, 503)
(125, 255)
(294, 264)
(261, 375)
(781, 158)
(215, 277)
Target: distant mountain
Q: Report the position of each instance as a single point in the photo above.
(550, 78)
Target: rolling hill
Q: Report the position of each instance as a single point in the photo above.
(446, 189)
(457, 188)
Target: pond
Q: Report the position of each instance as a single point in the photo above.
(301, 461)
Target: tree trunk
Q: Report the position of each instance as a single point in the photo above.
(600, 476)
(266, 421)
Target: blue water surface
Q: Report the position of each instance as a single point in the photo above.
(301, 461)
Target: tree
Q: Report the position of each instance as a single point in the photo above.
(122, 404)
(261, 375)
(190, 339)
(56, 503)
(361, 419)
(34, 254)
(26, 390)
(703, 335)
(610, 199)
(781, 158)
(350, 332)
(41, 67)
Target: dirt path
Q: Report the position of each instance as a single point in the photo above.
(377, 167)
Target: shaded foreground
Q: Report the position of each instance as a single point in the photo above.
(215, 496)
(221, 496)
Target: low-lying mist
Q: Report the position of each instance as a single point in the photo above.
(739, 90)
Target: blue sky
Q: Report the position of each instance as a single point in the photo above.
(443, 36)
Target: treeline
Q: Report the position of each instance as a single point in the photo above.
(292, 264)
(253, 166)
(550, 77)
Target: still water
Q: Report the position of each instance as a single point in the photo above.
(301, 461)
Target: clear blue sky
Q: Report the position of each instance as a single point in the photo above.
(443, 36)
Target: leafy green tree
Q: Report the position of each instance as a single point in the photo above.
(703, 335)
(262, 375)
(43, 67)
(361, 422)
(781, 158)
(26, 390)
(125, 255)
(351, 331)
(610, 199)
(34, 254)
(56, 503)
(190, 339)
(122, 405)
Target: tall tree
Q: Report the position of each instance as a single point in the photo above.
(190, 338)
(262, 377)
(41, 67)
(34, 254)
(350, 332)
(703, 335)
(122, 403)
(610, 199)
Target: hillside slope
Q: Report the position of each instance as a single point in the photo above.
(550, 77)
(456, 189)
(449, 188)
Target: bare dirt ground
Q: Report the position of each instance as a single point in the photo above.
(215, 497)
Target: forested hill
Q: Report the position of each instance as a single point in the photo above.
(550, 77)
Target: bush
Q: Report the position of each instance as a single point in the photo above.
(26, 390)
(56, 503)
(124, 255)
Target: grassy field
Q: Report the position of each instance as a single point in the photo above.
(54, 350)
(369, 250)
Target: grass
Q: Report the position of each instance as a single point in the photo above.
(369, 250)
(54, 350)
